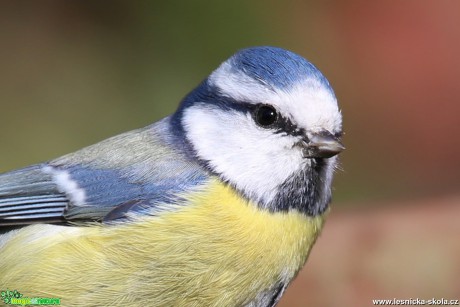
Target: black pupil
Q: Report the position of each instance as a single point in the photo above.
(266, 115)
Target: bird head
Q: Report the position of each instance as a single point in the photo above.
(267, 122)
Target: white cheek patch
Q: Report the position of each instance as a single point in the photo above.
(67, 185)
(252, 158)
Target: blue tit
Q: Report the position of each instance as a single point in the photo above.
(218, 204)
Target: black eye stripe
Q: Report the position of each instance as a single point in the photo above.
(281, 125)
(285, 125)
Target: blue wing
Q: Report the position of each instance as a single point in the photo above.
(132, 172)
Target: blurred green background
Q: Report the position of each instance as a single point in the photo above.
(74, 73)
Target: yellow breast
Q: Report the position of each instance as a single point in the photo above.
(216, 250)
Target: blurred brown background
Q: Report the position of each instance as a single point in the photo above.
(74, 73)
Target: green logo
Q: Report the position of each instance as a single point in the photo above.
(16, 298)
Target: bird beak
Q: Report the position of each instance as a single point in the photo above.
(321, 145)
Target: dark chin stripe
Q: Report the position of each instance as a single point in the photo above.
(306, 191)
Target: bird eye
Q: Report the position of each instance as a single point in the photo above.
(265, 115)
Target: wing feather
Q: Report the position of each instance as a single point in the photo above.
(131, 172)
